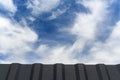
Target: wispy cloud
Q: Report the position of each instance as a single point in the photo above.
(40, 6)
(15, 40)
(107, 52)
(85, 28)
(8, 5)
(57, 13)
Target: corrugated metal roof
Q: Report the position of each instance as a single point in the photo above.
(59, 72)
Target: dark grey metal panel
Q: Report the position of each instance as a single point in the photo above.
(47, 72)
(13, 72)
(4, 71)
(25, 72)
(70, 73)
(113, 72)
(80, 72)
(36, 72)
(91, 72)
(59, 72)
(103, 74)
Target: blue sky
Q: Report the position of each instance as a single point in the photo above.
(60, 31)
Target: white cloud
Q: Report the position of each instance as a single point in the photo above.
(56, 54)
(57, 13)
(85, 28)
(40, 6)
(8, 5)
(86, 23)
(14, 59)
(15, 40)
(108, 52)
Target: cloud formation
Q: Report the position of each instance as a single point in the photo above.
(107, 52)
(15, 40)
(18, 40)
(40, 6)
(8, 5)
(85, 28)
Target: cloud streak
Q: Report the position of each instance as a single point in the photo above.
(107, 52)
(8, 5)
(40, 6)
(15, 40)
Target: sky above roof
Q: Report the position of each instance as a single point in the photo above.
(60, 31)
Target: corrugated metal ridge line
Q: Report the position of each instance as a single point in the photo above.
(13, 72)
(4, 69)
(80, 72)
(102, 72)
(113, 72)
(40, 71)
(36, 73)
(70, 72)
(59, 72)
